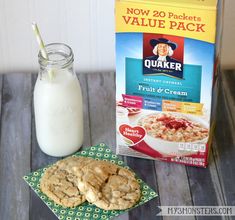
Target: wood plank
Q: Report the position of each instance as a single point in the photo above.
(215, 176)
(15, 146)
(1, 76)
(226, 170)
(228, 96)
(87, 135)
(228, 80)
(38, 210)
(101, 91)
(173, 186)
(203, 189)
(224, 149)
(200, 183)
(145, 169)
(101, 94)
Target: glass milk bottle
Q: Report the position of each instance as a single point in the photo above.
(58, 103)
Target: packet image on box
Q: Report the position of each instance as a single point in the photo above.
(165, 60)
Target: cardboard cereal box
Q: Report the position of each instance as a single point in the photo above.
(167, 56)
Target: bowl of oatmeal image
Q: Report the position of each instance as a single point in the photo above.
(167, 131)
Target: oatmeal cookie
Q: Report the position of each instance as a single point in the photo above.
(108, 186)
(59, 185)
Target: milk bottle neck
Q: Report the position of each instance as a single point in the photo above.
(60, 58)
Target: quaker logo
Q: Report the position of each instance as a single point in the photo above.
(163, 55)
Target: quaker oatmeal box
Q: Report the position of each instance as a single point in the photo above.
(167, 68)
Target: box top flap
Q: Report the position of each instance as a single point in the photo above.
(207, 4)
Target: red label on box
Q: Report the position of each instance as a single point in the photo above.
(132, 101)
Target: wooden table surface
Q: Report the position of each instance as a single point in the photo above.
(175, 184)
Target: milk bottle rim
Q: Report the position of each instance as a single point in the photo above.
(60, 56)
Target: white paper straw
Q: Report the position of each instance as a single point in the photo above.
(41, 46)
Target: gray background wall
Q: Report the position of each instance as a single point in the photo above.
(86, 25)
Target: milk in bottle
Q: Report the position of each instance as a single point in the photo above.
(58, 103)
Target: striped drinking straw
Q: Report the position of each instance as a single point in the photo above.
(41, 46)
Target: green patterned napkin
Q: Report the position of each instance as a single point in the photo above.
(87, 211)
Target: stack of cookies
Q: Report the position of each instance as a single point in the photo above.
(74, 180)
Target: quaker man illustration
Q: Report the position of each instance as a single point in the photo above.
(163, 50)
